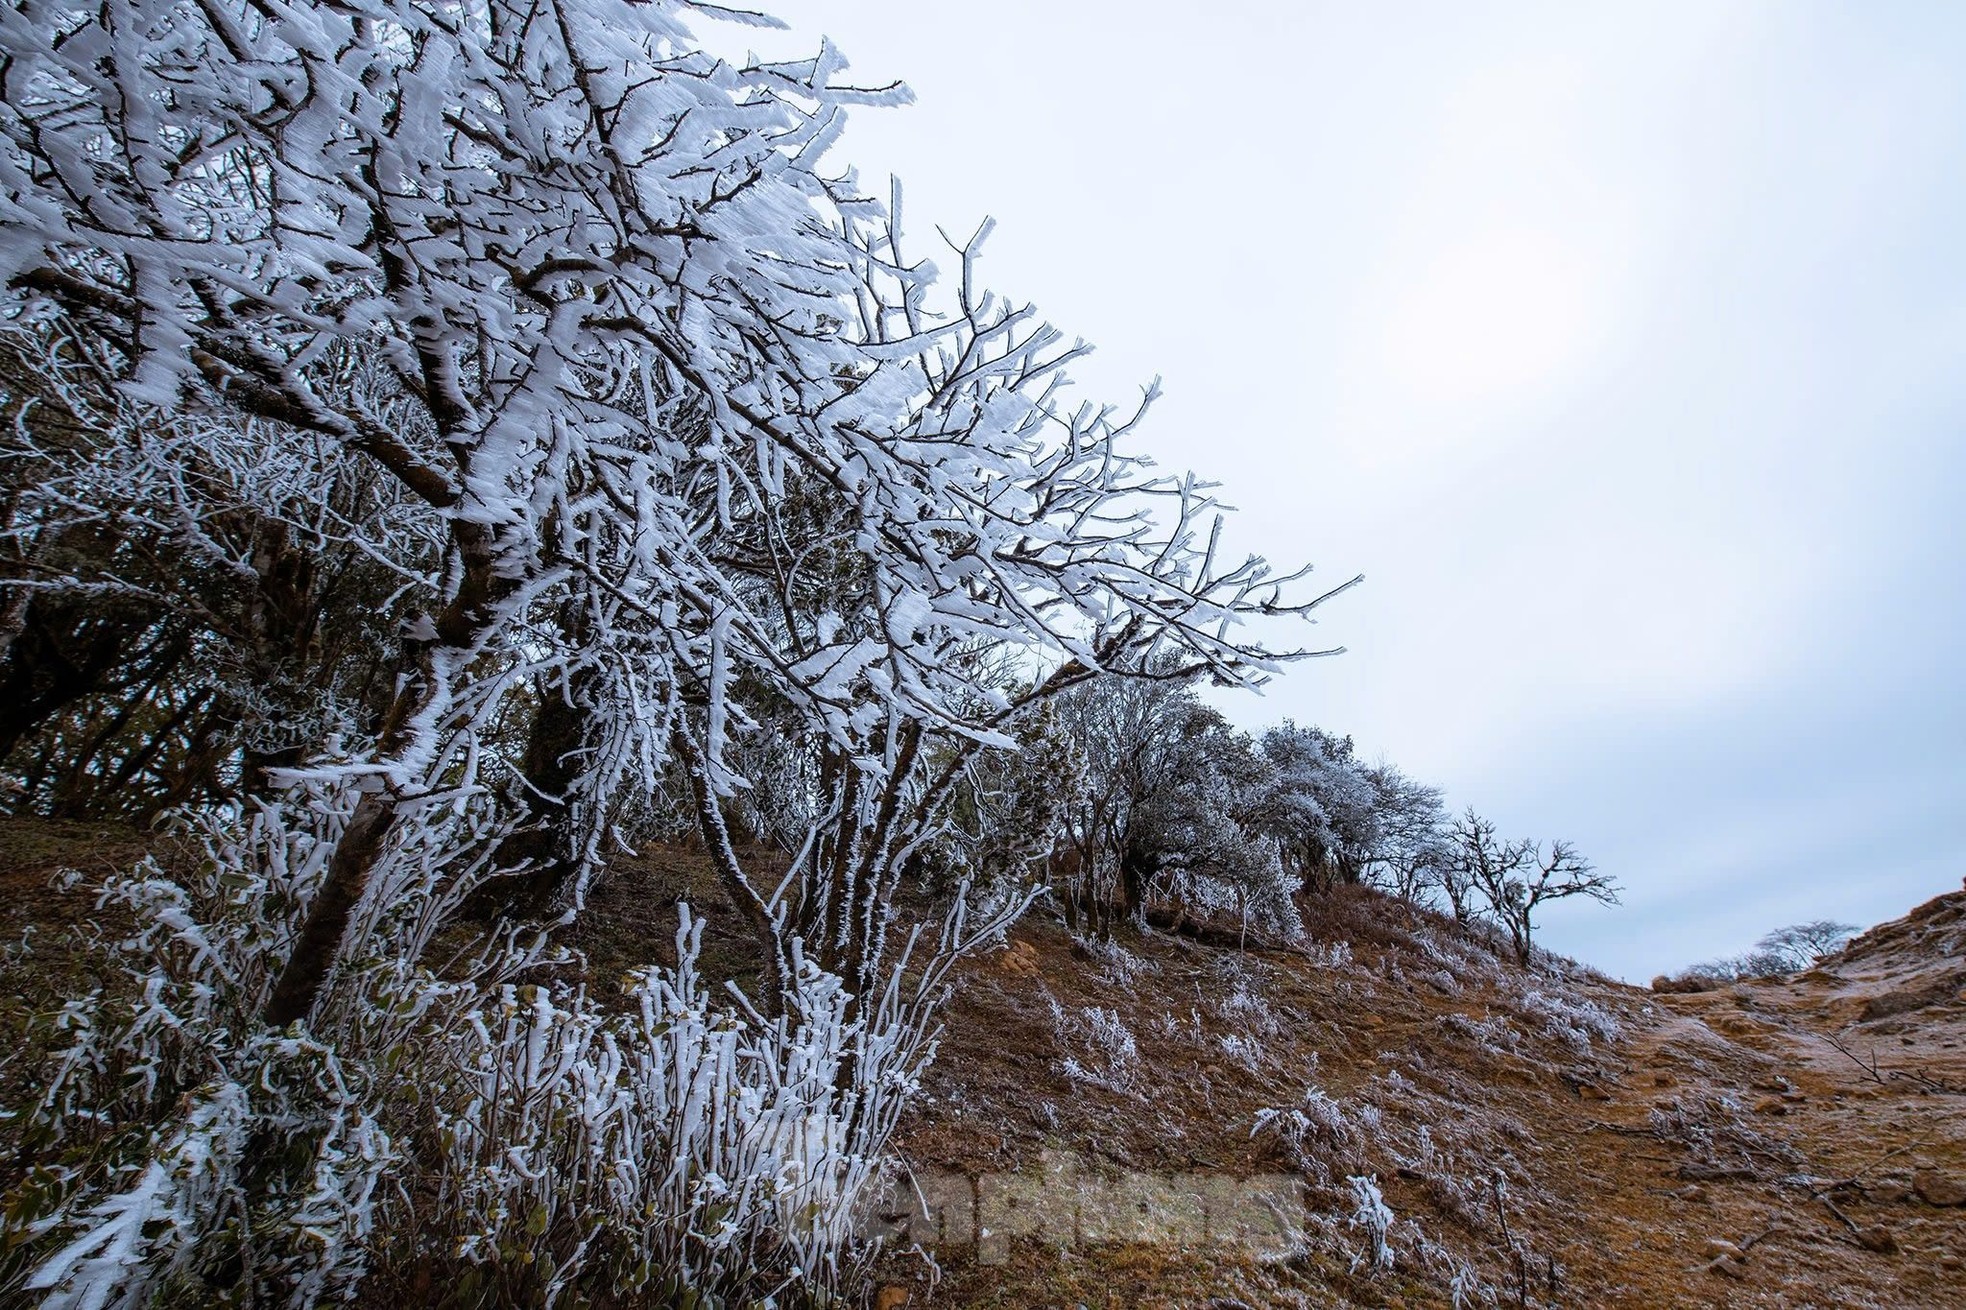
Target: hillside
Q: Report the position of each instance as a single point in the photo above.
(1176, 1120)
(1540, 1139)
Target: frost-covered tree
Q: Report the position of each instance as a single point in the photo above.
(1230, 861)
(643, 362)
(194, 602)
(1326, 813)
(1412, 834)
(1510, 880)
(1801, 945)
(674, 458)
(1173, 807)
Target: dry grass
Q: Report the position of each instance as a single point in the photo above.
(1726, 1116)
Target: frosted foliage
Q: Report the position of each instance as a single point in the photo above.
(1574, 1021)
(698, 1138)
(1316, 1133)
(681, 1142)
(1376, 1219)
(651, 416)
(629, 316)
(1107, 1056)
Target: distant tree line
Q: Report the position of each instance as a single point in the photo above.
(1134, 799)
(1785, 950)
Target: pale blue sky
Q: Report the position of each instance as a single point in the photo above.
(1619, 346)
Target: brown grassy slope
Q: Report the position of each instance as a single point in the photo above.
(1717, 1150)
(1721, 1151)
(42, 959)
(1625, 1159)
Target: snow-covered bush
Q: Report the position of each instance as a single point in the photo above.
(180, 1138)
(1246, 1053)
(1575, 1021)
(1317, 1134)
(1372, 1214)
(1334, 956)
(1493, 1033)
(1111, 1055)
(546, 1142)
(1112, 961)
(1245, 1007)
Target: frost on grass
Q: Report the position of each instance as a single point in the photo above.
(1714, 1129)
(1112, 961)
(1374, 1218)
(1492, 1034)
(1334, 956)
(544, 1141)
(1245, 1008)
(1245, 1053)
(1102, 1049)
(1574, 1021)
(1317, 1134)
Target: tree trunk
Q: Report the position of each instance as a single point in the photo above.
(544, 851)
(461, 626)
(320, 937)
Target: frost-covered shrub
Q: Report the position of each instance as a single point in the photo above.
(1111, 1056)
(1315, 1134)
(1240, 1001)
(685, 1144)
(545, 1144)
(176, 1135)
(1574, 1021)
(1424, 1156)
(1243, 1052)
(1372, 1214)
(1442, 981)
(1492, 1034)
(1329, 955)
(1114, 963)
(1713, 1127)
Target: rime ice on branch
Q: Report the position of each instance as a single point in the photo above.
(662, 440)
(647, 366)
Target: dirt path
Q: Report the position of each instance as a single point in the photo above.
(1744, 1160)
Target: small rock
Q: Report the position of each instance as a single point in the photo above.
(890, 1298)
(1771, 1105)
(1019, 960)
(1592, 1092)
(1664, 1080)
(1877, 1238)
(1691, 1194)
(1935, 1188)
(1720, 1247)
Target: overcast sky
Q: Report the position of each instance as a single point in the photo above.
(1619, 347)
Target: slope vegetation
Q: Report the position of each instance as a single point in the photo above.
(1382, 1112)
(1547, 1138)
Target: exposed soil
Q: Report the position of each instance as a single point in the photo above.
(1720, 1151)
